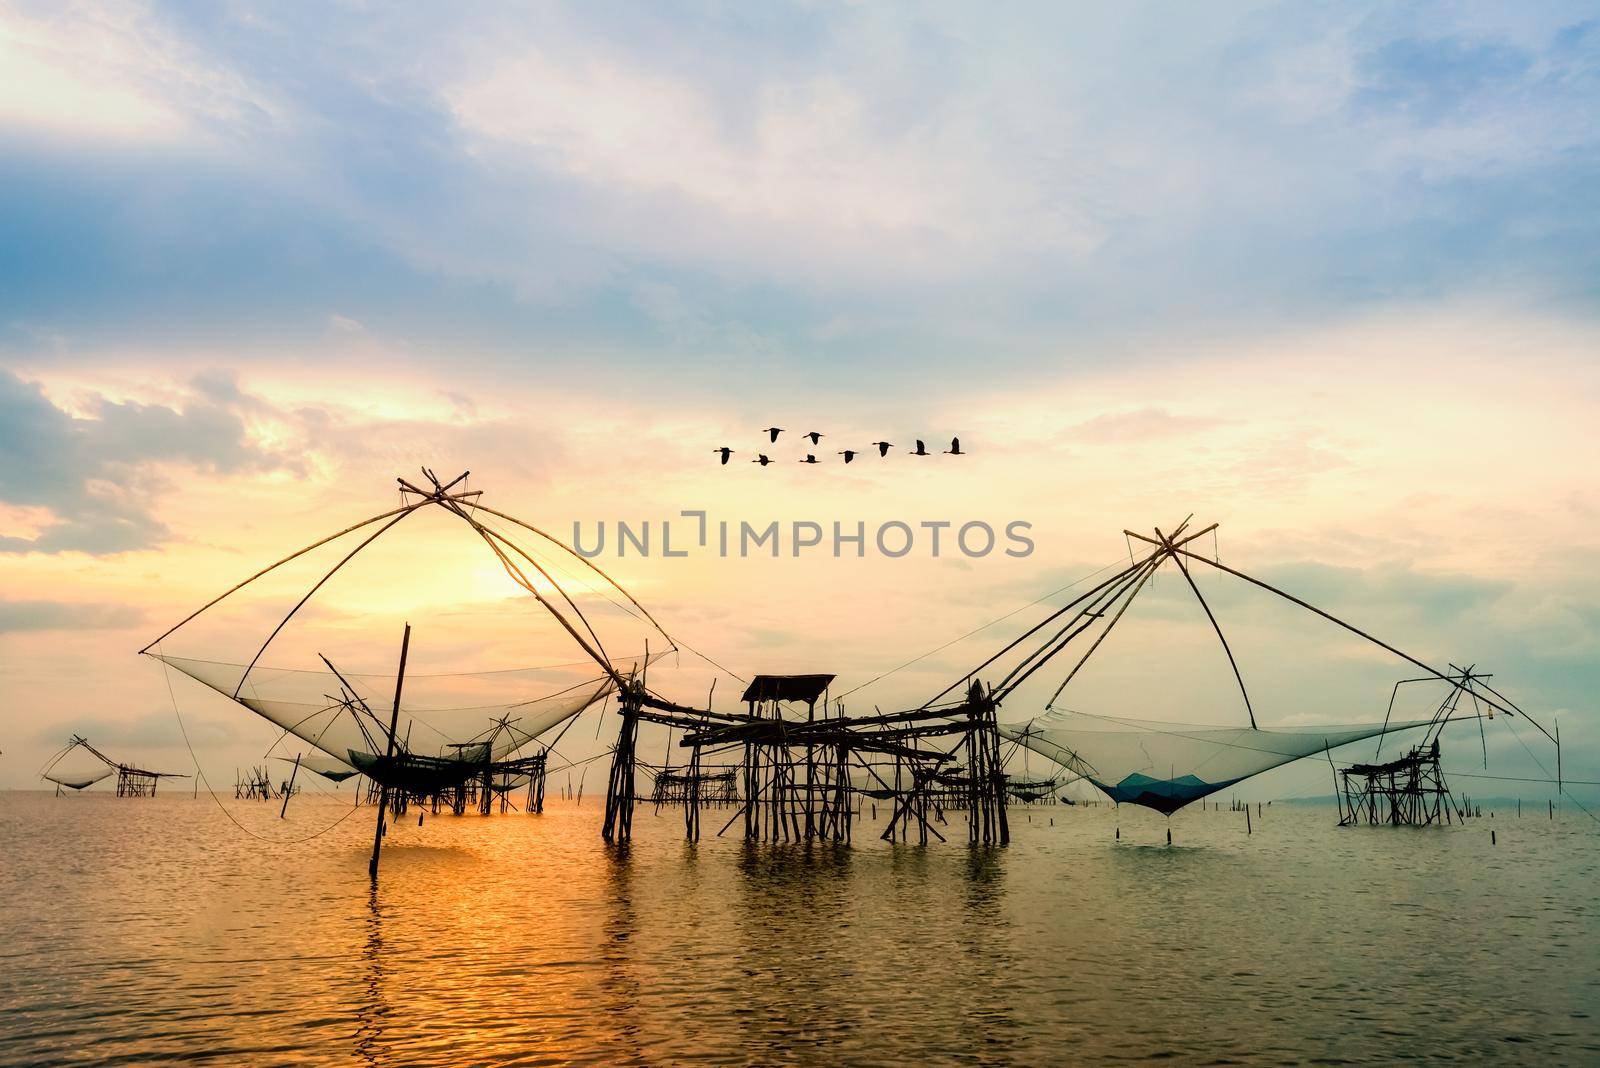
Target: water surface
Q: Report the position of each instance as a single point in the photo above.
(157, 930)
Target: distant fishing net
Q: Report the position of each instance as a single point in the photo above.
(76, 768)
(1166, 766)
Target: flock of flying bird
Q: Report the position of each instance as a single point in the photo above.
(816, 437)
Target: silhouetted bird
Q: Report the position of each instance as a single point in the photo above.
(848, 454)
(810, 459)
(761, 458)
(816, 438)
(955, 448)
(883, 447)
(922, 450)
(726, 452)
(774, 431)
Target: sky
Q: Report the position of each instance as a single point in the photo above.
(1322, 274)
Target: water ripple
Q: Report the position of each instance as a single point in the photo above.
(152, 931)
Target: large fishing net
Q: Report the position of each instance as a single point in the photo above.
(510, 634)
(1165, 766)
(468, 716)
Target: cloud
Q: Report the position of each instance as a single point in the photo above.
(813, 154)
(147, 730)
(1142, 425)
(17, 616)
(110, 72)
(96, 475)
(1437, 78)
(1283, 463)
(1438, 597)
(820, 187)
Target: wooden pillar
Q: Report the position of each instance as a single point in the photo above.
(620, 787)
(998, 772)
(811, 774)
(691, 804)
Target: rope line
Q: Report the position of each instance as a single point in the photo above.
(1519, 778)
(980, 628)
(200, 773)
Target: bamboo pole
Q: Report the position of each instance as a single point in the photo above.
(312, 591)
(1347, 626)
(289, 790)
(1218, 628)
(394, 727)
(1057, 614)
(273, 567)
(1154, 567)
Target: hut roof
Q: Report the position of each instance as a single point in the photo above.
(787, 687)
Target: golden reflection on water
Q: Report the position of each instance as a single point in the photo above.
(619, 980)
(154, 930)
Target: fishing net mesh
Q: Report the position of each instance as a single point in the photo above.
(1167, 765)
(76, 768)
(443, 716)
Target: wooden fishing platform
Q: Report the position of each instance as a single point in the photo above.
(1409, 791)
(797, 758)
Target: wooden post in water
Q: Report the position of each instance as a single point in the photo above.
(618, 826)
(691, 803)
(394, 727)
(811, 770)
(1557, 725)
(288, 791)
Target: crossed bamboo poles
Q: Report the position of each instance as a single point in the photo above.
(513, 558)
(1109, 600)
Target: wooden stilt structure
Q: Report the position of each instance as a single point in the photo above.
(797, 755)
(1409, 791)
(714, 788)
(986, 808)
(621, 786)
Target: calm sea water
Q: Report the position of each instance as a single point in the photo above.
(157, 931)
